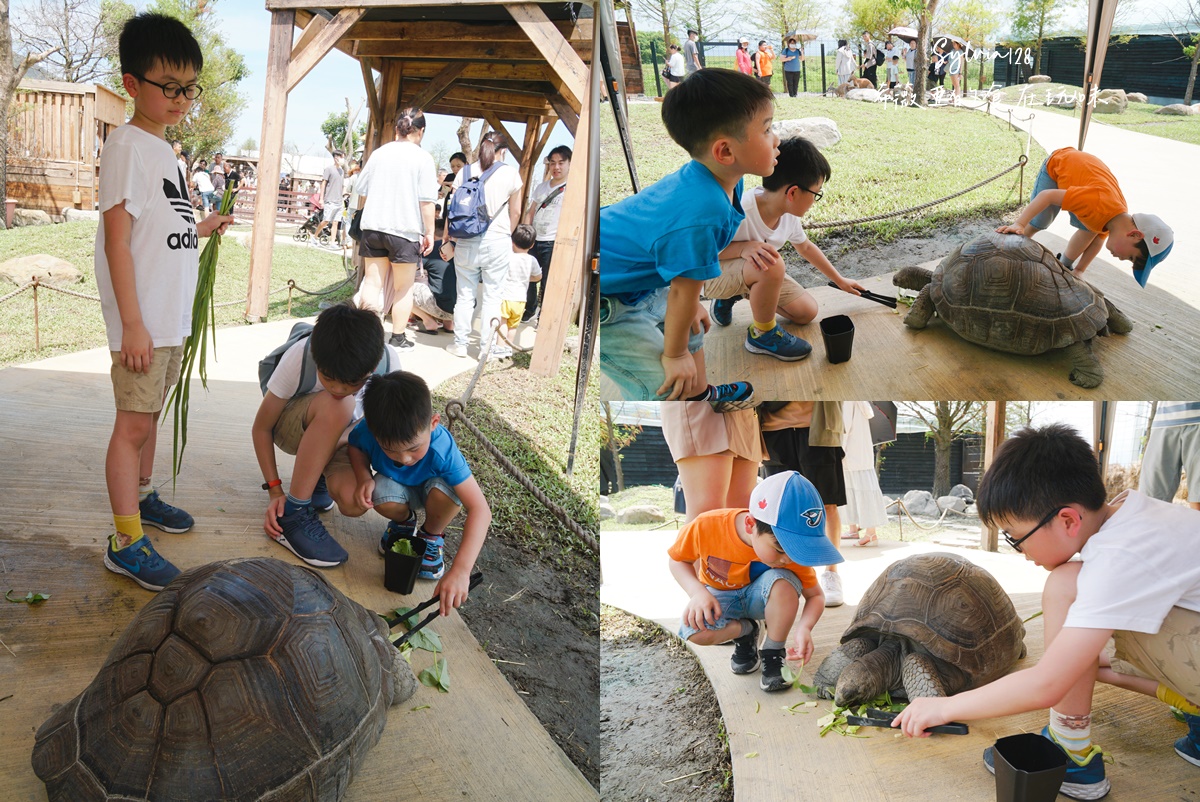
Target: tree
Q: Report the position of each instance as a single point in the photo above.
(947, 421)
(1033, 22)
(661, 12)
(249, 144)
(614, 437)
(12, 70)
(337, 137)
(464, 137)
(924, 11)
(648, 38)
(876, 16)
(1180, 27)
(81, 50)
(784, 17)
(975, 21)
(709, 18)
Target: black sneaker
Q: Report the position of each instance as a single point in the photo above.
(320, 496)
(721, 310)
(772, 670)
(305, 536)
(731, 397)
(396, 530)
(401, 342)
(158, 513)
(745, 651)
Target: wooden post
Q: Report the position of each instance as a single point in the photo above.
(989, 536)
(533, 127)
(389, 97)
(262, 240)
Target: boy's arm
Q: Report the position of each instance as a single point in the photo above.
(262, 433)
(137, 348)
(814, 605)
(679, 367)
(1071, 657)
(759, 253)
(702, 609)
(452, 589)
(818, 260)
(364, 481)
(1042, 201)
(514, 209)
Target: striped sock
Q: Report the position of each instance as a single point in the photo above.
(144, 490)
(1073, 733)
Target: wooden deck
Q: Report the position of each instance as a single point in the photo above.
(478, 742)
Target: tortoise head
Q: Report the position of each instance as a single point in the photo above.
(870, 676)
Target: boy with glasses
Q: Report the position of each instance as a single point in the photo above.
(751, 266)
(1133, 584)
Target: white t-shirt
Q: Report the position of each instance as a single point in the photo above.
(753, 229)
(545, 221)
(203, 181)
(502, 183)
(1138, 566)
(396, 180)
(285, 381)
(141, 170)
(860, 452)
(522, 269)
(676, 65)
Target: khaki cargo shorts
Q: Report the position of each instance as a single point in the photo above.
(289, 429)
(1171, 657)
(732, 284)
(143, 392)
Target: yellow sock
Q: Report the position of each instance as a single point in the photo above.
(1169, 696)
(130, 526)
(763, 328)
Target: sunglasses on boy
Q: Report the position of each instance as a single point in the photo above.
(1016, 543)
(174, 90)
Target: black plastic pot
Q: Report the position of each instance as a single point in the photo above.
(838, 333)
(1029, 768)
(400, 570)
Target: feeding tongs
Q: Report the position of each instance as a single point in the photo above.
(476, 578)
(883, 718)
(886, 300)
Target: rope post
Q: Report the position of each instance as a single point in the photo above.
(290, 285)
(1021, 191)
(37, 337)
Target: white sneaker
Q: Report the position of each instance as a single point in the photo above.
(456, 349)
(500, 352)
(831, 583)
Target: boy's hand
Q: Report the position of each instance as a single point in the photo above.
(701, 323)
(760, 254)
(452, 590)
(702, 610)
(274, 511)
(137, 348)
(426, 244)
(1011, 230)
(364, 491)
(214, 222)
(849, 285)
(922, 713)
(680, 377)
(802, 650)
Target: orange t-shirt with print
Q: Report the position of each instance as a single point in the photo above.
(1092, 193)
(765, 59)
(722, 560)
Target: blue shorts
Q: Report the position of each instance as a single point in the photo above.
(388, 489)
(748, 602)
(631, 344)
(1047, 215)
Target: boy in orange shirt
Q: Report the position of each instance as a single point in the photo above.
(742, 566)
(1084, 186)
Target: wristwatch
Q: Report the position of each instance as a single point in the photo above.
(269, 485)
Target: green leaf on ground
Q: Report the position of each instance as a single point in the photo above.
(436, 677)
(1030, 618)
(752, 754)
(426, 639)
(30, 598)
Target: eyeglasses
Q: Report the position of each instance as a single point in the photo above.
(174, 90)
(1016, 543)
(816, 195)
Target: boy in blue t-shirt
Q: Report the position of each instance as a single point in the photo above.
(658, 247)
(416, 464)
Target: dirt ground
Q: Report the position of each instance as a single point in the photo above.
(660, 726)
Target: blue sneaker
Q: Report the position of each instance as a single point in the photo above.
(1085, 777)
(1188, 747)
(158, 513)
(141, 563)
(305, 536)
(320, 496)
(721, 310)
(432, 564)
(396, 530)
(779, 343)
(731, 397)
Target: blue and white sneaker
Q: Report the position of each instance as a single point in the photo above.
(320, 496)
(396, 530)
(158, 513)
(305, 536)
(433, 565)
(721, 310)
(1188, 747)
(1085, 776)
(141, 563)
(731, 397)
(779, 343)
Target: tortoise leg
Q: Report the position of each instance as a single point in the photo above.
(1085, 368)
(921, 677)
(870, 675)
(1118, 323)
(921, 312)
(831, 667)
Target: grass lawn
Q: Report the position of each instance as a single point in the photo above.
(1139, 117)
(656, 495)
(889, 158)
(70, 324)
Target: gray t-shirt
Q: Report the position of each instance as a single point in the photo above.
(690, 52)
(333, 184)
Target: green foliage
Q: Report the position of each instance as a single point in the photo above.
(782, 17)
(977, 21)
(403, 546)
(249, 143)
(1034, 21)
(436, 677)
(334, 129)
(660, 48)
(29, 598)
(876, 16)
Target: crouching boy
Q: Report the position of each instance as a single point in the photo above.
(743, 566)
(402, 460)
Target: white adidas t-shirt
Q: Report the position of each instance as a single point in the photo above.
(398, 177)
(141, 170)
(753, 229)
(522, 268)
(502, 183)
(545, 220)
(285, 380)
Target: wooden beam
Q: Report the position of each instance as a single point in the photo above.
(533, 127)
(369, 85)
(315, 25)
(447, 50)
(574, 243)
(994, 434)
(262, 240)
(434, 30)
(389, 95)
(566, 112)
(494, 121)
(481, 70)
(449, 109)
(302, 62)
(440, 84)
(524, 106)
(541, 143)
(553, 47)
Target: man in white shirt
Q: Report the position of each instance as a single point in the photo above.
(545, 206)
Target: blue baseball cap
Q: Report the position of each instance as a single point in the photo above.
(791, 506)
(1159, 239)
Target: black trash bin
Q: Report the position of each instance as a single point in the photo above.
(1029, 768)
(838, 333)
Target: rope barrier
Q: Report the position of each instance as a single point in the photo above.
(16, 292)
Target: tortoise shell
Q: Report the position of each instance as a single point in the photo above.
(244, 679)
(946, 606)
(1010, 293)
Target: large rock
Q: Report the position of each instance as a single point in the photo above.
(45, 268)
(963, 492)
(1039, 79)
(71, 214)
(865, 95)
(821, 131)
(30, 217)
(1111, 101)
(1062, 100)
(921, 502)
(956, 503)
(1136, 97)
(606, 510)
(641, 514)
(1178, 109)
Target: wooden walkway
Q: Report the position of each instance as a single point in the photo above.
(478, 742)
(1152, 362)
(775, 752)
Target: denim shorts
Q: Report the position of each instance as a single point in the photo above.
(1047, 215)
(631, 344)
(748, 602)
(388, 490)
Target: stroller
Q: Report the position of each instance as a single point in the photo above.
(305, 232)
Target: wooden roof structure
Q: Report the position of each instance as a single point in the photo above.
(503, 62)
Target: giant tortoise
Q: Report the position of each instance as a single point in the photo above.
(1009, 293)
(930, 625)
(245, 679)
